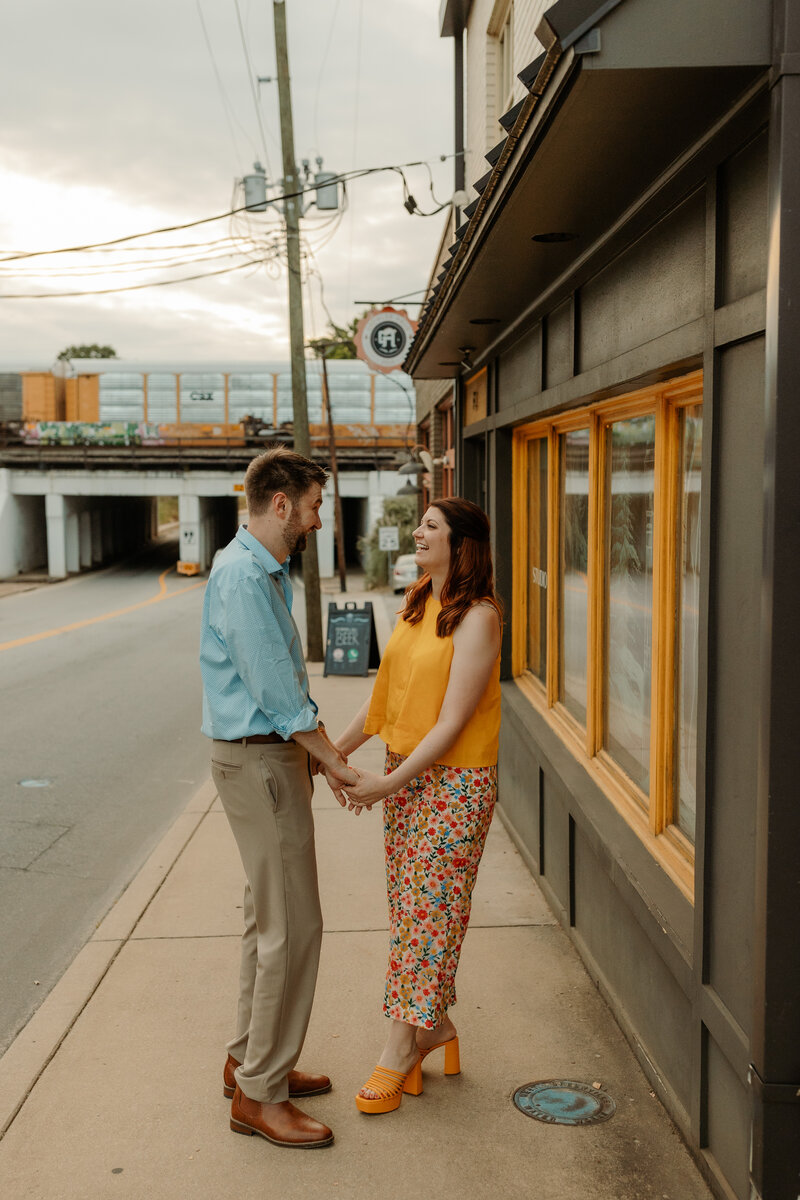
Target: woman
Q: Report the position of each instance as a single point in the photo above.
(436, 704)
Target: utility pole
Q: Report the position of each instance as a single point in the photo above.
(337, 498)
(292, 210)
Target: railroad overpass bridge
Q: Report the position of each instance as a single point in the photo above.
(71, 508)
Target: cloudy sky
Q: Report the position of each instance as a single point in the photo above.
(122, 117)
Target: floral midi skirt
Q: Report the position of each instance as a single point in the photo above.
(434, 831)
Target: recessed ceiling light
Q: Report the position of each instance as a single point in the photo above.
(555, 237)
(485, 321)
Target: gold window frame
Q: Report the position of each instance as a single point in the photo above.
(651, 816)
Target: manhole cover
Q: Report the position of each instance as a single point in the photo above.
(564, 1102)
(35, 782)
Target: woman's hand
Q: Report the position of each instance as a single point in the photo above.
(368, 789)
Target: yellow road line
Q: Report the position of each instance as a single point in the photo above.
(162, 594)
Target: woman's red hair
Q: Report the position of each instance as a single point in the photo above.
(471, 575)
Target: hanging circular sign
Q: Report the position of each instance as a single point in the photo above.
(383, 338)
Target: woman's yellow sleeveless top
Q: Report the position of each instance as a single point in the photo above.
(410, 687)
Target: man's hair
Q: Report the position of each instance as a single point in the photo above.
(279, 469)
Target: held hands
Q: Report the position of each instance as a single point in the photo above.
(338, 785)
(342, 780)
(369, 789)
(340, 776)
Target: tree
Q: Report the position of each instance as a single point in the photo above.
(397, 510)
(93, 351)
(339, 342)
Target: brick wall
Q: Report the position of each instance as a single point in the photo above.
(483, 103)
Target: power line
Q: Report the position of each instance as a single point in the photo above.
(135, 287)
(99, 249)
(355, 135)
(123, 268)
(322, 70)
(227, 107)
(342, 178)
(253, 90)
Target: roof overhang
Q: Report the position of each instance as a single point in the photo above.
(453, 16)
(620, 94)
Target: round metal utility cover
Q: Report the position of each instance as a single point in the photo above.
(564, 1102)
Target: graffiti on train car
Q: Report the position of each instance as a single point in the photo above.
(128, 433)
(88, 433)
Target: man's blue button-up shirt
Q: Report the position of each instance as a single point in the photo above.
(251, 660)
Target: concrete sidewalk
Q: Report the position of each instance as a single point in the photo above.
(114, 1088)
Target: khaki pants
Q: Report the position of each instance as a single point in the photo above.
(266, 793)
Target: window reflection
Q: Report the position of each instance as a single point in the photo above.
(537, 558)
(629, 595)
(687, 621)
(574, 566)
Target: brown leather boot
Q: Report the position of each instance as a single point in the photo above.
(282, 1124)
(300, 1084)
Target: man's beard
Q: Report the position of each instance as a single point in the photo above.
(294, 536)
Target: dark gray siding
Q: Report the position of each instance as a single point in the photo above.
(688, 293)
(521, 370)
(656, 286)
(742, 247)
(734, 695)
(559, 345)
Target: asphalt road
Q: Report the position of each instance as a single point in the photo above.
(108, 714)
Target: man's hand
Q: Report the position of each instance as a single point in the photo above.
(337, 786)
(343, 774)
(323, 755)
(369, 789)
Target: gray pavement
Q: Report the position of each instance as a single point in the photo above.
(114, 1088)
(106, 710)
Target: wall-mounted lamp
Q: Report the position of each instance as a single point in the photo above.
(420, 463)
(466, 356)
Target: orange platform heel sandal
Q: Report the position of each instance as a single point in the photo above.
(452, 1056)
(390, 1086)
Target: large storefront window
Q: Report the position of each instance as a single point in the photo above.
(606, 599)
(537, 558)
(687, 621)
(629, 595)
(574, 566)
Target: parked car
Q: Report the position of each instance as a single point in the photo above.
(404, 572)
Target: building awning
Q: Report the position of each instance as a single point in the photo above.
(623, 89)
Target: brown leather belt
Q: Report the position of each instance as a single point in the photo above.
(257, 739)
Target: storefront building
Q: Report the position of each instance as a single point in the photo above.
(613, 326)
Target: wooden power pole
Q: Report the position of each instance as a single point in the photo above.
(337, 497)
(292, 207)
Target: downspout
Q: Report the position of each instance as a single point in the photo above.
(458, 108)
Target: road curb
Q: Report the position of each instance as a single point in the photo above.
(34, 1047)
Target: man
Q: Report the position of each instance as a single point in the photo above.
(257, 708)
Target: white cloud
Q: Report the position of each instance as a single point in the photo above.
(114, 124)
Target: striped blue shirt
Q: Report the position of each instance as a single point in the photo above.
(251, 659)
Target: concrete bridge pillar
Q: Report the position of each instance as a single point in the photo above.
(9, 564)
(55, 516)
(72, 536)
